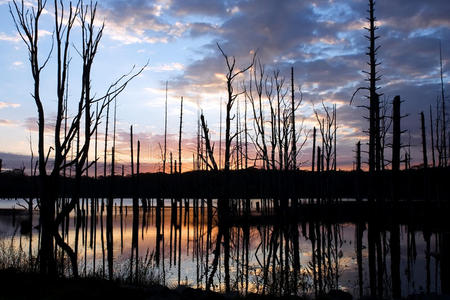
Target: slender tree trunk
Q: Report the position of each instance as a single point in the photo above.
(424, 141)
(432, 138)
(396, 134)
(109, 221)
(106, 142)
(179, 136)
(374, 119)
(220, 135)
(358, 156)
(444, 123)
(294, 135)
(165, 133)
(313, 150)
(335, 139)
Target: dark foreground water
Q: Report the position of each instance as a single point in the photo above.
(178, 244)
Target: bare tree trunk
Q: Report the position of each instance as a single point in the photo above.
(374, 158)
(335, 139)
(109, 221)
(245, 132)
(396, 134)
(424, 141)
(294, 136)
(358, 156)
(220, 135)
(432, 138)
(165, 134)
(209, 151)
(179, 136)
(106, 142)
(444, 123)
(313, 149)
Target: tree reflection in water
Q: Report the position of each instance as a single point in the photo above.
(191, 242)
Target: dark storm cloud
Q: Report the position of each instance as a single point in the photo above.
(199, 7)
(415, 14)
(200, 28)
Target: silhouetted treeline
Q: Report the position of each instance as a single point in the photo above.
(422, 184)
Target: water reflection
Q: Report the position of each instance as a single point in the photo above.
(188, 242)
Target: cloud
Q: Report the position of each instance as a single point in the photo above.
(8, 123)
(9, 38)
(166, 67)
(198, 7)
(8, 105)
(131, 22)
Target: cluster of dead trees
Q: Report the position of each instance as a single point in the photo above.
(72, 131)
(266, 132)
(383, 114)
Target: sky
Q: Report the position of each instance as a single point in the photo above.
(323, 40)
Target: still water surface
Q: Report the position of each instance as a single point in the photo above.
(179, 247)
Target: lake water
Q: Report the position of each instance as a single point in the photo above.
(178, 245)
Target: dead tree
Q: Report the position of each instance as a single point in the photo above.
(255, 94)
(313, 150)
(281, 112)
(424, 141)
(294, 136)
(374, 103)
(386, 122)
(106, 142)
(396, 143)
(273, 120)
(27, 22)
(209, 149)
(438, 135)
(432, 138)
(358, 156)
(165, 133)
(179, 135)
(327, 132)
(231, 75)
(444, 123)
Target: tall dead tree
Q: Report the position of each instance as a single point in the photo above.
(396, 144)
(432, 138)
(438, 135)
(424, 140)
(245, 133)
(273, 139)
(281, 112)
(179, 135)
(165, 133)
(105, 160)
(358, 156)
(231, 75)
(444, 123)
(294, 136)
(374, 103)
(255, 95)
(313, 150)
(386, 122)
(220, 135)
(328, 132)
(395, 232)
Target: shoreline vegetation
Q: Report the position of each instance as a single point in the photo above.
(40, 286)
(427, 184)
